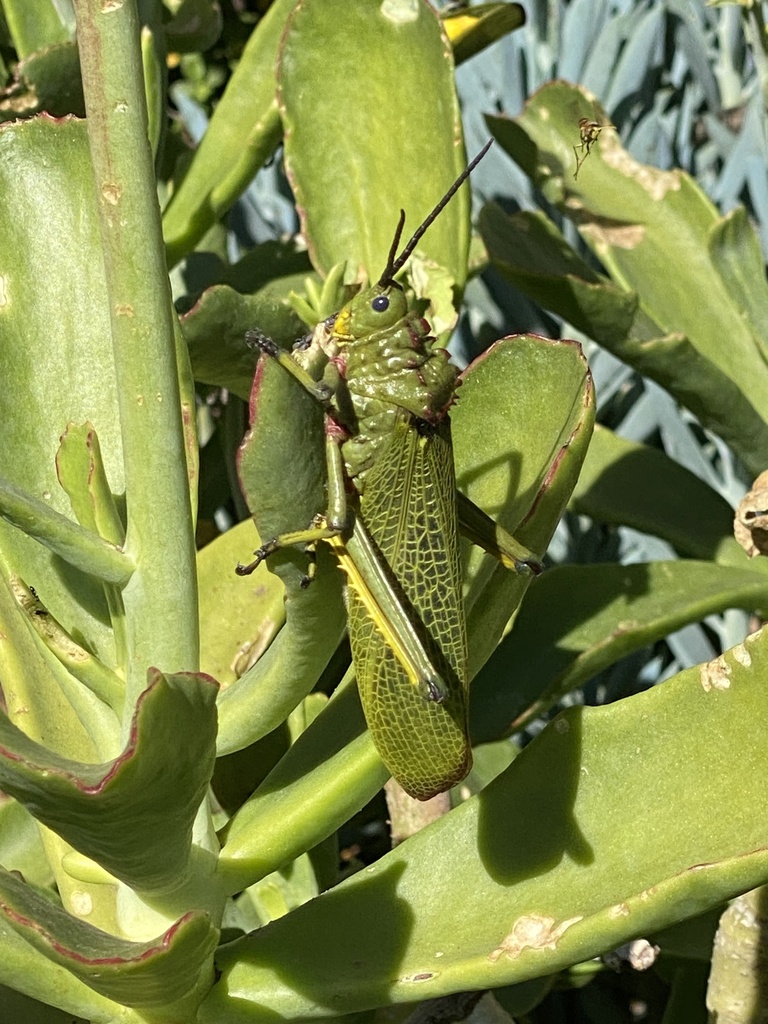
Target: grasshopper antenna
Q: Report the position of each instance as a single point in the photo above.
(396, 263)
(393, 248)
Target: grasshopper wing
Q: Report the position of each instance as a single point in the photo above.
(409, 508)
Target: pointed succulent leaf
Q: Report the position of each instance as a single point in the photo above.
(521, 426)
(134, 815)
(531, 252)
(81, 472)
(350, 179)
(157, 973)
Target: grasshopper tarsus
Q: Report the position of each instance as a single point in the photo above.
(259, 555)
(434, 690)
(257, 339)
(246, 570)
(529, 567)
(301, 344)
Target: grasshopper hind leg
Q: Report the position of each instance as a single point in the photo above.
(478, 527)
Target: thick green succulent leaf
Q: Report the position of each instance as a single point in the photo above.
(133, 815)
(237, 621)
(16, 1006)
(35, 24)
(577, 620)
(166, 970)
(38, 689)
(326, 776)
(623, 482)
(521, 426)
(47, 80)
(55, 350)
(21, 848)
(28, 972)
(530, 251)
(215, 328)
(474, 28)
(614, 822)
(243, 133)
(282, 473)
(101, 681)
(660, 237)
(372, 125)
(79, 548)
(80, 468)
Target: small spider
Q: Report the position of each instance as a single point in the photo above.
(589, 132)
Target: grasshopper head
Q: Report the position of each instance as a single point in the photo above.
(384, 304)
(374, 309)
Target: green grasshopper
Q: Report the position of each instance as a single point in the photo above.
(393, 521)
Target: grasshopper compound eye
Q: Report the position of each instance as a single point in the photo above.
(380, 304)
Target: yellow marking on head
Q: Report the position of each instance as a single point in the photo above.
(341, 326)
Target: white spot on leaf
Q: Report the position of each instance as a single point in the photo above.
(620, 910)
(532, 931)
(111, 192)
(81, 903)
(742, 655)
(400, 12)
(716, 675)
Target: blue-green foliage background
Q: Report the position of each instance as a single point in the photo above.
(679, 81)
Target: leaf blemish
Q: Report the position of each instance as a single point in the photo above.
(532, 931)
(716, 675)
(742, 655)
(620, 910)
(400, 12)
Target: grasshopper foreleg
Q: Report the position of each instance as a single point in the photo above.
(318, 389)
(318, 531)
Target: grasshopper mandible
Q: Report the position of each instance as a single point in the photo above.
(393, 521)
